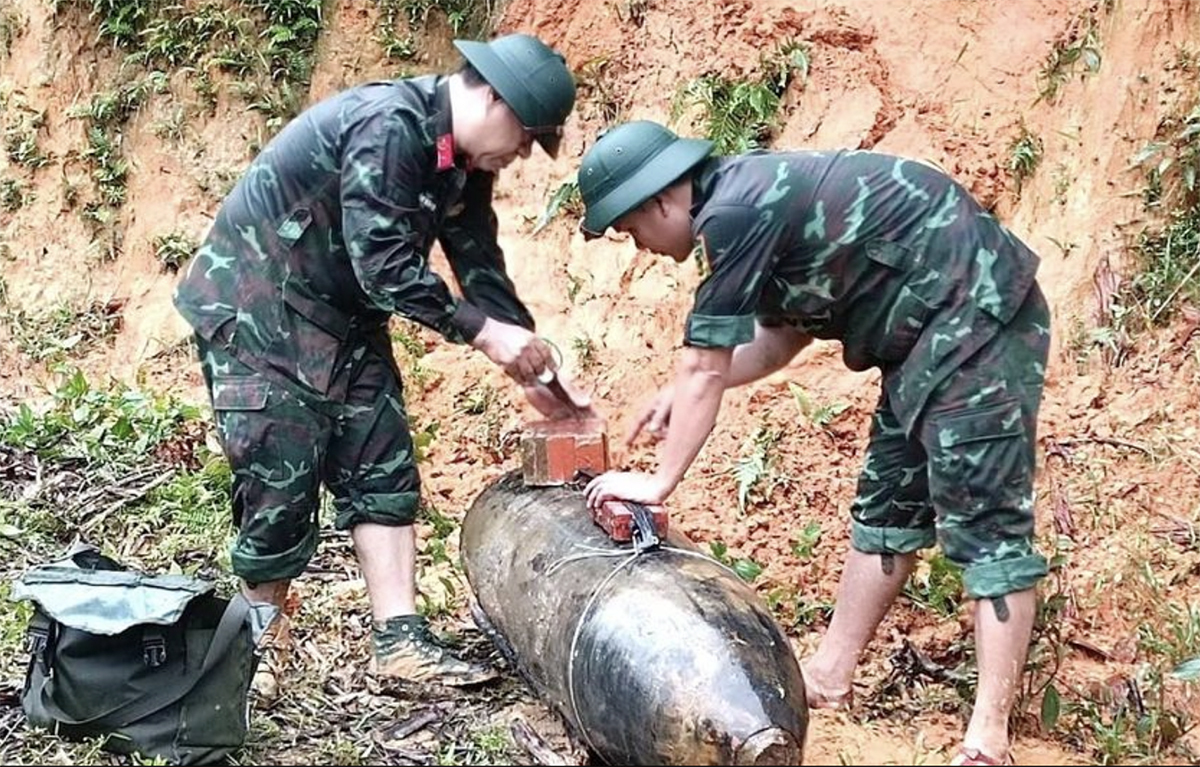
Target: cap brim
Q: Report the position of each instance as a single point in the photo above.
(551, 143)
(656, 175)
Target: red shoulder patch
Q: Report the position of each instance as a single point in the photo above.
(445, 151)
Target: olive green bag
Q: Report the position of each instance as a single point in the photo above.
(157, 663)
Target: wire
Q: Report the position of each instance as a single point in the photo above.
(597, 552)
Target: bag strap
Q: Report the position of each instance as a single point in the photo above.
(232, 621)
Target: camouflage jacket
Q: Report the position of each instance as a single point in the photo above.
(334, 221)
(889, 256)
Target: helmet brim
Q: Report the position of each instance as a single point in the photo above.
(503, 80)
(655, 175)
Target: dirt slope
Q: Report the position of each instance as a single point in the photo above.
(952, 81)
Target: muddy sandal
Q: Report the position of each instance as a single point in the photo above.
(968, 756)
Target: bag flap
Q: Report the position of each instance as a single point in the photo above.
(108, 601)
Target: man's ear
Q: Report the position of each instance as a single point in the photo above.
(661, 205)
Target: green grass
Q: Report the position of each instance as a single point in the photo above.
(402, 21)
(268, 46)
(1168, 254)
(126, 468)
(62, 330)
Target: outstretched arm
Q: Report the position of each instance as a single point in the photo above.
(699, 384)
(772, 349)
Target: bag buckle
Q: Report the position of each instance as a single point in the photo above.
(154, 649)
(36, 639)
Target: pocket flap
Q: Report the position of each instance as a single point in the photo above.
(891, 254)
(108, 601)
(240, 393)
(999, 421)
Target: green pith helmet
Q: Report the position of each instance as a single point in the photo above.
(630, 164)
(532, 78)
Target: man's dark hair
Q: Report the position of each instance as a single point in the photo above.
(471, 76)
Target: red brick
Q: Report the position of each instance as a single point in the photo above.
(616, 518)
(553, 452)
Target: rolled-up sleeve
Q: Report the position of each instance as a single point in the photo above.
(470, 242)
(382, 173)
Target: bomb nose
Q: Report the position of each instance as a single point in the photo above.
(773, 745)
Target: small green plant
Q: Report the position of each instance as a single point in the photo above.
(1080, 42)
(818, 415)
(1136, 726)
(565, 199)
(109, 168)
(585, 352)
(13, 194)
(598, 95)
(478, 399)
(755, 469)
(746, 569)
(742, 115)
(20, 139)
(171, 127)
(466, 18)
(806, 543)
(173, 250)
(936, 584)
(12, 26)
(1176, 156)
(1024, 155)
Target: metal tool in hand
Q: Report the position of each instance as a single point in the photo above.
(549, 379)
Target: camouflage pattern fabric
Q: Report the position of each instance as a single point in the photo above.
(897, 261)
(327, 235)
(967, 472)
(889, 256)
(281, 448)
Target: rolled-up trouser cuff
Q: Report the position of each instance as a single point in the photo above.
(890, 540)
(392, 509)
(1006, 576)
(265, 568)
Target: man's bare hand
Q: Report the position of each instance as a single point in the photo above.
(655, 418)
(521, 353)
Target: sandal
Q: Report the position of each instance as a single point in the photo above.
(970, 756)
(816, 698)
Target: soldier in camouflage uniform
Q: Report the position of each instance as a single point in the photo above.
(899, 263)
(323, 239)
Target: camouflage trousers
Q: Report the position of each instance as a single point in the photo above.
(283, 441)
(964, 476)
